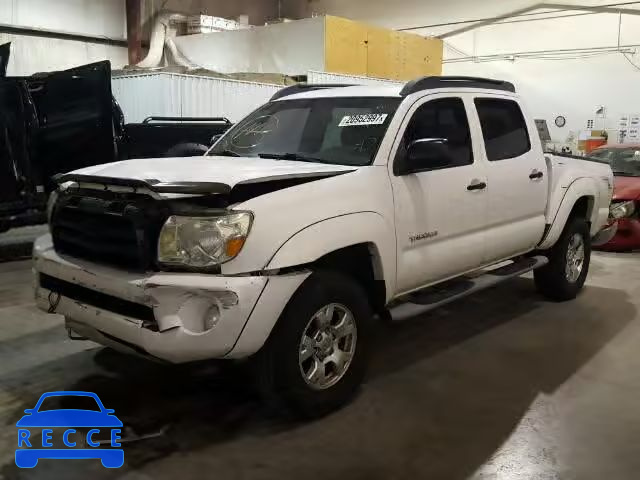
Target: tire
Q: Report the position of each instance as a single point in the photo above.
(556, 280)
(279, 366)
(186, 150)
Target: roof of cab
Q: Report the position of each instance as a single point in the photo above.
(304, 90)
(352, 91)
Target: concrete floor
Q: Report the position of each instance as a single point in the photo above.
(503, 385)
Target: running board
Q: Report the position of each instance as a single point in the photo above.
(433, 297)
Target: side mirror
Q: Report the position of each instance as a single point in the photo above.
(425, 154)
(29, 411)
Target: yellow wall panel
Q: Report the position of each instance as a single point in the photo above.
(420, 56)
(382, 58)
(345, 46)
(359, 49)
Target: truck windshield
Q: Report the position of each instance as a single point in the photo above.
(335, 130)
(625, 162)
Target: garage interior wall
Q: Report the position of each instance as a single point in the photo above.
(98, 18)
(37, 53)
(566, 62)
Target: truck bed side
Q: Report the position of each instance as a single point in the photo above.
(570, 180)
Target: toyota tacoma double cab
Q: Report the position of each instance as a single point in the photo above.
(325, 210)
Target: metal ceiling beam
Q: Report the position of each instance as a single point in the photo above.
(59, 34)
(539, 6)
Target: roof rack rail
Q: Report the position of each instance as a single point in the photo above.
(307, 87)
(428, 83)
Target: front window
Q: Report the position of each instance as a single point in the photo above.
(624, 162)
(335, 130)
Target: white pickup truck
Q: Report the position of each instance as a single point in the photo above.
(326, 209)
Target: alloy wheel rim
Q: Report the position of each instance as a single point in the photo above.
(575, 258)
(327, 346)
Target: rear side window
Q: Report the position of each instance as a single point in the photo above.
(503, 128)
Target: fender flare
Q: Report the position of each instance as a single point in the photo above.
(579, 188)
(370, 228)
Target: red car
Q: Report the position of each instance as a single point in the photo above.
(625, 205)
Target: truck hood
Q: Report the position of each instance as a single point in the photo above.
(626, 188)
(230, 171)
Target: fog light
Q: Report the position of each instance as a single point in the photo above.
(211, 317)
(195, 310)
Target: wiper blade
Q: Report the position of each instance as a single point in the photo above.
(228, 153)
(291, 156)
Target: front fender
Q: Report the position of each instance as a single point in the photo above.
(597, 214)
(329, 235)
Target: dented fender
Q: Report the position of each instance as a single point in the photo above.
(343, 231)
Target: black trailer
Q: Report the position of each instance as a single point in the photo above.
(56, 122)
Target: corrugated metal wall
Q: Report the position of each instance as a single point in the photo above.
(325, 77)
(177, 95)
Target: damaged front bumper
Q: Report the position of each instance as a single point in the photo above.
(177, 317)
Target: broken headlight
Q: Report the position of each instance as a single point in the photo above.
(622, 210)
(202, 242)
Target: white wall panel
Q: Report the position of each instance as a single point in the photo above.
(37, 54)
(167, 94)
(90, 17)
(325, 77)
(289, 48)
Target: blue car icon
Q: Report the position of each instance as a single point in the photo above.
(90, 414)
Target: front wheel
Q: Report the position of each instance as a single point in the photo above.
(564, 276)
(315, 359)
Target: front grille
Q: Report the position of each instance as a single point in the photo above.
(108, 228)
(97, 299)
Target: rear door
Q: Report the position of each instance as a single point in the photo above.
(516, 172)
(74, 117)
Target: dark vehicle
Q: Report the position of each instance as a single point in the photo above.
(171, 136)
(60, 121)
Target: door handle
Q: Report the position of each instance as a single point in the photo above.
(535, 175)
(476, 185)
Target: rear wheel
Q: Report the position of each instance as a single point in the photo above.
(568, 266)
(315, 359)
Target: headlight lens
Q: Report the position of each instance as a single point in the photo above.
(202, 242)
(622, 210)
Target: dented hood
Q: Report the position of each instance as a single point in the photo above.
(228, 171)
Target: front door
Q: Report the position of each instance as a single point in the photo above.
(441, 211)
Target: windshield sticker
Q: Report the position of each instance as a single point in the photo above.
(254, 132)
(368, 119)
